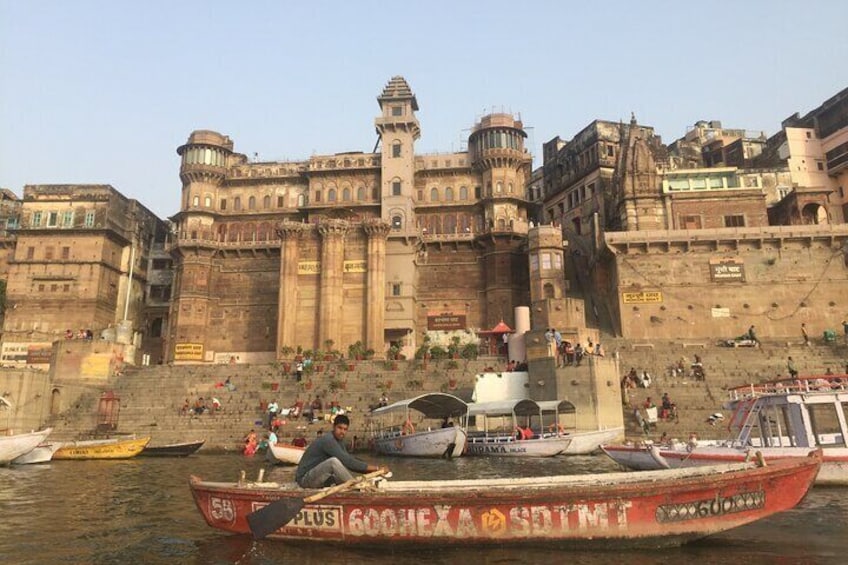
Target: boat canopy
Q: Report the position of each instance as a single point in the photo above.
(432, 405)
(524, 407)
(558, 406)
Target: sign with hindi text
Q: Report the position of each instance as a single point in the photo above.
(645, 297)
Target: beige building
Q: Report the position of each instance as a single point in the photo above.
(81, 262)
(352, 248)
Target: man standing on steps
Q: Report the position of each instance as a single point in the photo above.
(326, 461)
(790, 366)
(273, 407)
(805, 335)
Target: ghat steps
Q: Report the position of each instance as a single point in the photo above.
(151, 398)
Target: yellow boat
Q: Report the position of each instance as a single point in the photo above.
(101, 449)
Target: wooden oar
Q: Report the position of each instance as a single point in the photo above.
(277, 514)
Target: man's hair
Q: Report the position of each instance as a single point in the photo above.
(341, 419)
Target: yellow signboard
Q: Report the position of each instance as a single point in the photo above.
(188, 352)
(308, 267)
(651, 297)
(314, 267)
(95, 365)
(354, 266)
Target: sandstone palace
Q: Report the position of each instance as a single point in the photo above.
(354, 247)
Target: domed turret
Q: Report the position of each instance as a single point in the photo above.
(497, 141)
(204, 157)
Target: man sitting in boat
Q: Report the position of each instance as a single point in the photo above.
(523, 433)
(327, 462)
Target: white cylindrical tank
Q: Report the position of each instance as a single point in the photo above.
(516, 346)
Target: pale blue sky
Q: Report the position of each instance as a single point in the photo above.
(104, 91)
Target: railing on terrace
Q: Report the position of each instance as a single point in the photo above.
(815, 383)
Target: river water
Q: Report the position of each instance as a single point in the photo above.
(141, 511)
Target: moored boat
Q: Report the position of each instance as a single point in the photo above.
(183, 449)
(15, 445)
(626, 509)
(582, 442)
(511, 428)
(101, 449)
(393, 431)
(286, 453)
(42, 453)
(783, 418)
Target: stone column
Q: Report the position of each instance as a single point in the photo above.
(377, 231)
(290, 233)
(332, 274)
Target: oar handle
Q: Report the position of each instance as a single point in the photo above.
(347, 485)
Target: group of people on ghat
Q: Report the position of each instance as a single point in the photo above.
(201, 406)
(81, 334)
(649, 414)
(567, 353)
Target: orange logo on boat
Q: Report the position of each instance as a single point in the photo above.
(494, 522)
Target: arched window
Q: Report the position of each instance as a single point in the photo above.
(195, 201)
(501, 224)
(301, 200)
(449, 194)
(237, 203)
(509, 188)
(317, 196)
(266, 202)
(499, 188)
(346, 195)
(463, 193)
(251, 203)
(434, 194)
(360, 193)
(207, 201)
(397, 222)
(548, 290)
(396, 148)
(331, 195)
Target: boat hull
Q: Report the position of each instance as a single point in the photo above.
(584, 443)
(287, 454)
(625, 509)
(834, 469)
(172, 450)
(12, 447)
(42, 453)
(442, 442)
(101, 449)
(508, 446)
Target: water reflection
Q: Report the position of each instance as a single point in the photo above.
(141, 511)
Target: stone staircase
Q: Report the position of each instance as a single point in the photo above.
(152, 398)
(724, 367)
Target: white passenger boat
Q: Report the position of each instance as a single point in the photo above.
(42, 453)
(783, 418)
(13, 446)
(430, 425)
(511, 428)
(286, 453)
(555, 415)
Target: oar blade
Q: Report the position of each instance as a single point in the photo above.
(274, 516)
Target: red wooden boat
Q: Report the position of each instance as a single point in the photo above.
(653, 508)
